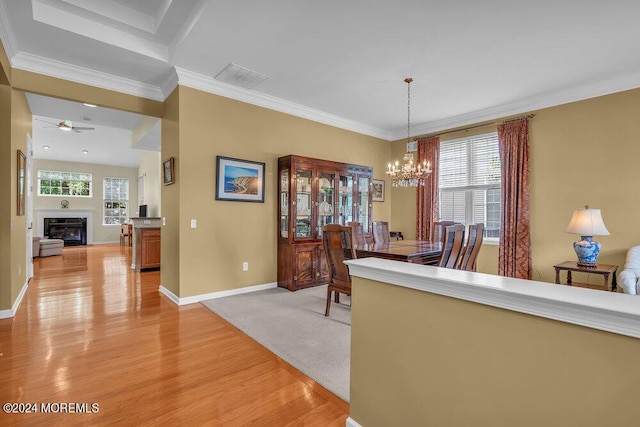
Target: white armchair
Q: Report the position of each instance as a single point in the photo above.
(628, 277)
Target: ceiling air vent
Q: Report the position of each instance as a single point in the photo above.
(240, 76)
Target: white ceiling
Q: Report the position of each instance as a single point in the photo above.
(340, 62)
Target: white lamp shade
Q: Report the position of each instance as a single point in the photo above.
(587, 222)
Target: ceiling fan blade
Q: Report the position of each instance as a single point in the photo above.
(82, 128)
(51, 123)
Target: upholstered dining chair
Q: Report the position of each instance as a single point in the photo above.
(358, 233)
(452, 241)
(338, 247)
(381, 232)
(471, 249)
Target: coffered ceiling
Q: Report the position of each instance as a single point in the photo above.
(339, 62)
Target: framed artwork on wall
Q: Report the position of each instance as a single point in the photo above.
(378, 190)
(22, 163)
(168, 173)
(239, 180)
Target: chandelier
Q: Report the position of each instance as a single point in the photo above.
(409, 174)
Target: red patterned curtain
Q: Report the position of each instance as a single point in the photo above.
(515, 239)
(427, 195)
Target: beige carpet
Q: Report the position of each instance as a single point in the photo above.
(293, 326)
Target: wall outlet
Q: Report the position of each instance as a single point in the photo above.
(164, 220)
(245, 266)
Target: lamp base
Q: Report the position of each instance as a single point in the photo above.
(587, 264)
(587, 251)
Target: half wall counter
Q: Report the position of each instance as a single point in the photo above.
(435, 346)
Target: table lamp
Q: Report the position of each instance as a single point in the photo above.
(587, 223)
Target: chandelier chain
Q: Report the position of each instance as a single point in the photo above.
(408, 109)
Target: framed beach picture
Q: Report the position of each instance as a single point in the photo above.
(239, 180)
(22, 163)
(378, 190)
(168, 173)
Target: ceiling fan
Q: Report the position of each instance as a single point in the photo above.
(67, 125)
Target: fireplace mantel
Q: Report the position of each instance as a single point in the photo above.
(41, 214)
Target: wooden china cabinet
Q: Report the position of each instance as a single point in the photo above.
(313, 193)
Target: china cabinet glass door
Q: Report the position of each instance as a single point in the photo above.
(363, 201)
(325, 200)
(345, 199)
(284, 203)
(304, 205)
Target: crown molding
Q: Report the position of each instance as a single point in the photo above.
(207, 84)
(574, 93)
(62, 70)
(169, 85)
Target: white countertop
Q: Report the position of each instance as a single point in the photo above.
(608, 311)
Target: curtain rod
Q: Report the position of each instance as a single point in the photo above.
(528, 116)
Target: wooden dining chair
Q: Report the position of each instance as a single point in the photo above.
(471, 249)
(358, 233)
(381, 232)
(125, 233)
(438, 230)
(452, 241)
(338, 247)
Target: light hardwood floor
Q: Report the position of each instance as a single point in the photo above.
(91, 330)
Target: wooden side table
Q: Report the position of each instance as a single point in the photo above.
(602, 269)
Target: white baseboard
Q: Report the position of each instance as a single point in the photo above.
(351, 423)
(166, 292)
(6, 314)
(197, 298)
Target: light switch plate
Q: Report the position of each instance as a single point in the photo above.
(194, 223)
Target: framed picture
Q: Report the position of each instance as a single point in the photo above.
(22, 164)
(168, 173)
(378, 190)
(239, 180)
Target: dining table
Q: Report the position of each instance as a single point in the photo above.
(414, 251)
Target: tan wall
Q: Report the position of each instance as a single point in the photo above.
(230, 233)
(101, 233)
(21, 120)
(150, 169)
(5, 67)
(582, 153)
(403, 207)
(7, 192)
(429, 360)
(170, 197)
(15, 124)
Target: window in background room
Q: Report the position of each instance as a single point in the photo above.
(58, 183)
(469, 184)
(116, 200)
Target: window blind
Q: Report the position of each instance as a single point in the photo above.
(469, 181)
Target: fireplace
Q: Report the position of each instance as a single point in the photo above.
(72, 230)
